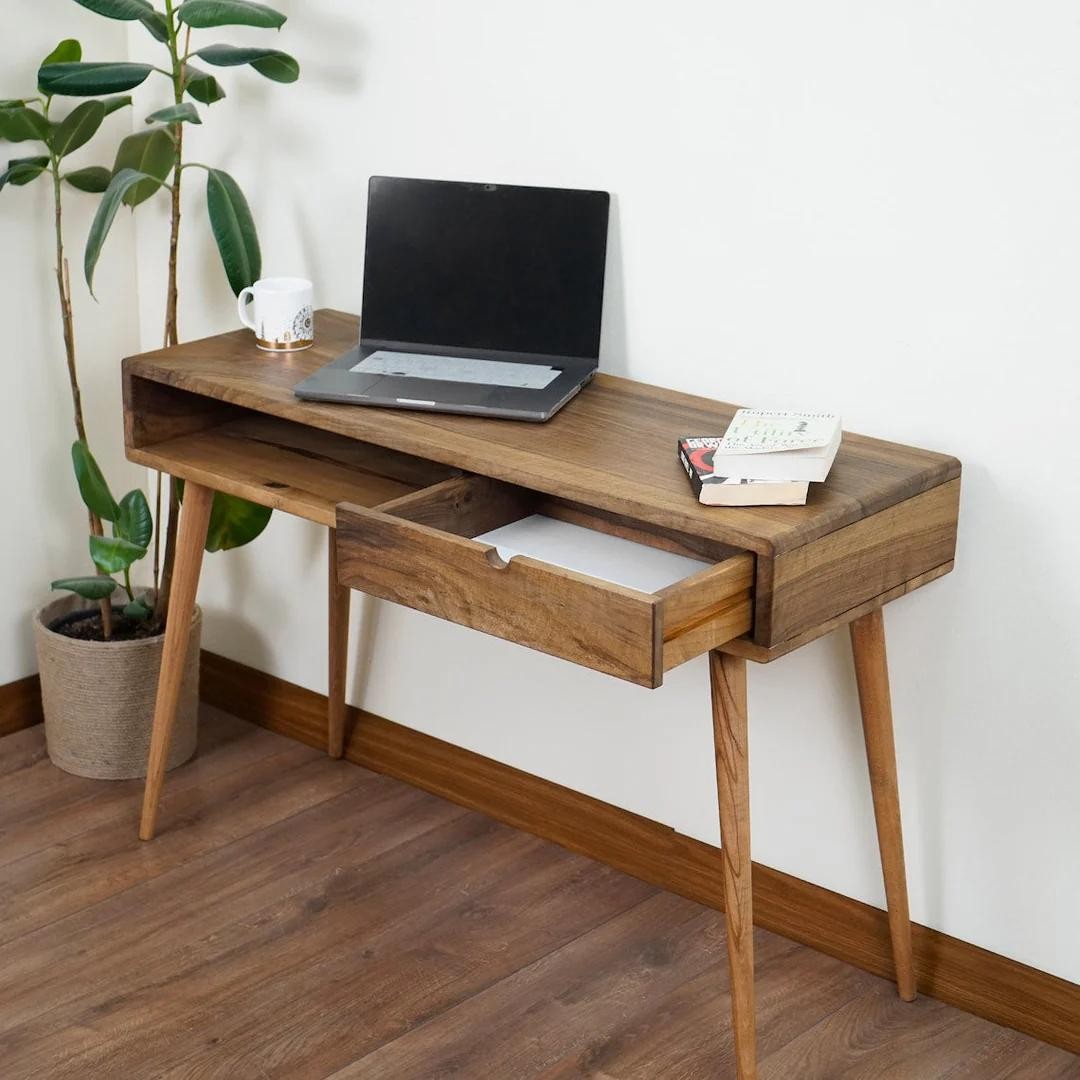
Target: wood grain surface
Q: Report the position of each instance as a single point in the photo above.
(750, 650)
(273, 465)
(191, 536)
(953, 971)
(337, 618)
(596, 624)
(875, 705)
(20, 704)
(612, 447)
(727, 677)
(858, 563)
(302, 918)
(418, 551)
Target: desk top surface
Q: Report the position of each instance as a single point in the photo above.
(612, 447)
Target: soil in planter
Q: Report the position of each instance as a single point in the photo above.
(86, 626)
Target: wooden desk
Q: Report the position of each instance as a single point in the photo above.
(404, 493)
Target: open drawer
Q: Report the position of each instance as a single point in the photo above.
(420, 551)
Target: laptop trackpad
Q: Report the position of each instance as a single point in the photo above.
(425, 393)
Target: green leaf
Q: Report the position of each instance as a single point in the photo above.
(138, 610)
(21, 171)
(94, 179)
(13, 103)
(157, 24)
(203, 14)
(234, 522)
(279, 66)
(152, 153)
(18, 124)
(90, 588)
(103, 219)
(234, 230)
(185, 113)
(135, 522)
(127, 10)
(77, 128)
(69, 51)
(202, 86)
(92, 485)
(111, 554)
(113, 103)
(87, 80)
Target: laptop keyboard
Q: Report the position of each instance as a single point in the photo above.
(458, 369)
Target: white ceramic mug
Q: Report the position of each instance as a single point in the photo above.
(284, 320)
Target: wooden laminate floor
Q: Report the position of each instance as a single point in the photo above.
(299, 917)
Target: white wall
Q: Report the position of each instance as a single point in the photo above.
(44, 531)
(871, 208)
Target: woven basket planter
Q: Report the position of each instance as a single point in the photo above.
(99, 696)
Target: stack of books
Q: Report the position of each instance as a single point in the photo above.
(765, 458)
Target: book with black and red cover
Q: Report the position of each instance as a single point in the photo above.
(697, 454)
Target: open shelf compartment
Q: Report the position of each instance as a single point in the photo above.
(269, 460)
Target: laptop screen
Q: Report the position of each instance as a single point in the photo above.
(484, 266)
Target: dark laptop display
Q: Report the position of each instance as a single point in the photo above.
(485, 266)
(456, 274)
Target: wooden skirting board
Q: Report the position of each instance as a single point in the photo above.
(20, 705)
(951, 970)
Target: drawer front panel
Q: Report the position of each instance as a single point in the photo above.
(593, 623)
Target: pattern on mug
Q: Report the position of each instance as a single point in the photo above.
(303, 325)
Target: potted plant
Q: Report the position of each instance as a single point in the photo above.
(99, 659)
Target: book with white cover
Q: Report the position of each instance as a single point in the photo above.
(765, 444)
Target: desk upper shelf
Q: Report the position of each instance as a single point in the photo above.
(612, 447)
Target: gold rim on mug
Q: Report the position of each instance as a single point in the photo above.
(291, 346)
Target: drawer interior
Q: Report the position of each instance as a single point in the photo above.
(548, 574)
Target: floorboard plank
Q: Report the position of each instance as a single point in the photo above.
(682, 1039)
(225, 745)
(64, 982)
(22, 749)
(299, 917)
(512, 904)
(878, 1036)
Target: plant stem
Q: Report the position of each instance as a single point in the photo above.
(63, 287)
(157, 532)
(171, 296)
(162, 606)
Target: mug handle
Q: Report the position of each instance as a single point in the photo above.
(243, 299)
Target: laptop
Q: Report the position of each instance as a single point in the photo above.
(478, 298)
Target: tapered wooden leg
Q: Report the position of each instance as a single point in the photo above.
(191, 537)
(728, 680)
(872, 676)
(339, 655)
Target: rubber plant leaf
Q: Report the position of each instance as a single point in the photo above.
(118, 187)
(272, 63)
(89, 588)
(89, 80)
(77, 128)
(206, 14)
(111, 554)
(93, 487)
(234, 230)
